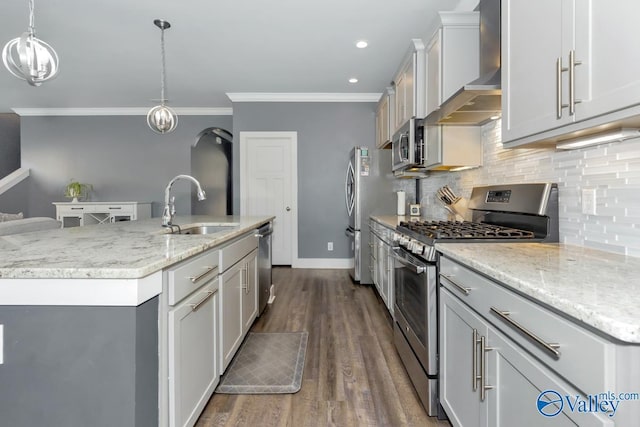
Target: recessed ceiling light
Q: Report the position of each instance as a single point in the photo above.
(353, 80)
(361, 44)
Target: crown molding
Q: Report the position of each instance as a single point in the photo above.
(134, 111)
(302, 97)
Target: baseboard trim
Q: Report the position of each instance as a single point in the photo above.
(339, 263)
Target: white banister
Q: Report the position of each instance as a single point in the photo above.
(13, 179)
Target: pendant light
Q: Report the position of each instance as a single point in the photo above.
(162, 119)
(29, 58)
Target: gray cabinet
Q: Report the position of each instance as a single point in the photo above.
(382, 262)
(385, 118)
(190, 313)
(409, 86)
(570, 74)
(500, 352)
(193, 371)
(238, 295)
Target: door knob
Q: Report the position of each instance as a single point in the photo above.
(288, 208)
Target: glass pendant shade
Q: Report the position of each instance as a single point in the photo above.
(162, 119)
(29, 58)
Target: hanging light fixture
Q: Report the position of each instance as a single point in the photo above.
(162, 119)
(29, 58)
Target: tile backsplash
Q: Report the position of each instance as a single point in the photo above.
(612, 170)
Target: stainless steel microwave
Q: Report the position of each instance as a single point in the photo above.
(408, 147)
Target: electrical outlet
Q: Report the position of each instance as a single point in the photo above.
(589, 201)
(329, 246)
(1, 344)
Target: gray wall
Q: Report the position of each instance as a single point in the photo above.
(9, 143)
(119, 155)
(80, 366)
(326, 134)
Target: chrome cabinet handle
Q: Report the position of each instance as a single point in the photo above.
(559, 70)
(200, 276)
(550, 347)
(243, 279)
(196, 306)
(483, 366)
(459, 287)
(572, 82)
(474, 370)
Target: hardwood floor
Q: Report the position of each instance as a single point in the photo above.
(353, 375)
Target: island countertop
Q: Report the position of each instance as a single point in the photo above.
(122, 250)
(598, 288)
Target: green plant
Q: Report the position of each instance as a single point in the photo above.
(77, 190)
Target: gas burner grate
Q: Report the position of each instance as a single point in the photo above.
(464, 230)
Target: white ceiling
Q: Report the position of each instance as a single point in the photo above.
(110, 50)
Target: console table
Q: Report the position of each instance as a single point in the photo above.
(72, 214)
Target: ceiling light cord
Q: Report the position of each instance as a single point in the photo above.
(162, 119)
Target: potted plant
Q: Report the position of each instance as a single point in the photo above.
(76, 190)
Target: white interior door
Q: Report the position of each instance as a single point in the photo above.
(268, 186)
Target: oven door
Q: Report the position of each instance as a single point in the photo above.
(416, 306)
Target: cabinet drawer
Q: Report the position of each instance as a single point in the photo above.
(118, 209)
(189, 275)
(580, 351)
(237, 250)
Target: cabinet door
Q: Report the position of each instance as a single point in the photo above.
(193, 371)
(382, 271)
(249, 291)
(518, 380)
(457, 377)
(401, 109)
(434, 81)
(532, 37)
(231, 324)
(609, 79)
(390, 279)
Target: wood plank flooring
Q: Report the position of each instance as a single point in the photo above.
(353, 375)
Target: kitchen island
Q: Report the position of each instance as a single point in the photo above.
(81, 311)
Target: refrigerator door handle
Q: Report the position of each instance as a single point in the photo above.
(349, 183)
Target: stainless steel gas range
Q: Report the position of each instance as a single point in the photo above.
(509, 213)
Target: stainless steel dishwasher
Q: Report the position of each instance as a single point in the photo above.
(264, 265)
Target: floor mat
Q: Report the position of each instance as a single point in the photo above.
(267, 363)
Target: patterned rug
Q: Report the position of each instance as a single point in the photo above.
(267, 363)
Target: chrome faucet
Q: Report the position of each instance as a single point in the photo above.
(169, 202)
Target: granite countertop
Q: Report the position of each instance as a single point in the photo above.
(600, 289)
(391, 221)
(122, 250)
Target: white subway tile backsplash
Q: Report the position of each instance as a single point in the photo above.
(613, 169)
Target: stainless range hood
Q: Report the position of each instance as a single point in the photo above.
(478, 102)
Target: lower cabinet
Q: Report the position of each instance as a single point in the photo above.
(381, 262)
(193, 370)
(238, 305)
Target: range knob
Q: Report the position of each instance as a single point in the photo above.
(418, 249)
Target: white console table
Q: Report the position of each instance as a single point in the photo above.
(72, 214)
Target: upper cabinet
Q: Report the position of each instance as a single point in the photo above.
(451, 56)
(573, 73)
(409, 86)
(384, 118)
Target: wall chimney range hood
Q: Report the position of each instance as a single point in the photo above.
(479, 101)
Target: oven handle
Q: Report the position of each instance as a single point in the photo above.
(417, 269)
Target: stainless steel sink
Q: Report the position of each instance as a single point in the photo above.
(204, 228)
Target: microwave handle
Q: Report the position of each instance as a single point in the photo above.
(403, 136)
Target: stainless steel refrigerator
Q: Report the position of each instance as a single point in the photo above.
(368, 191)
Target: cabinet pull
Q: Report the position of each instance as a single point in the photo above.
(461, 288)
(77, 209)
(483, 368)
(572, 82)
(550, 347)
(559, 71)
(196, 306)
(474, 370)
(200, 276)
(243, 279)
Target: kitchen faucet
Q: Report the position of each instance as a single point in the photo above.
(169, 202)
